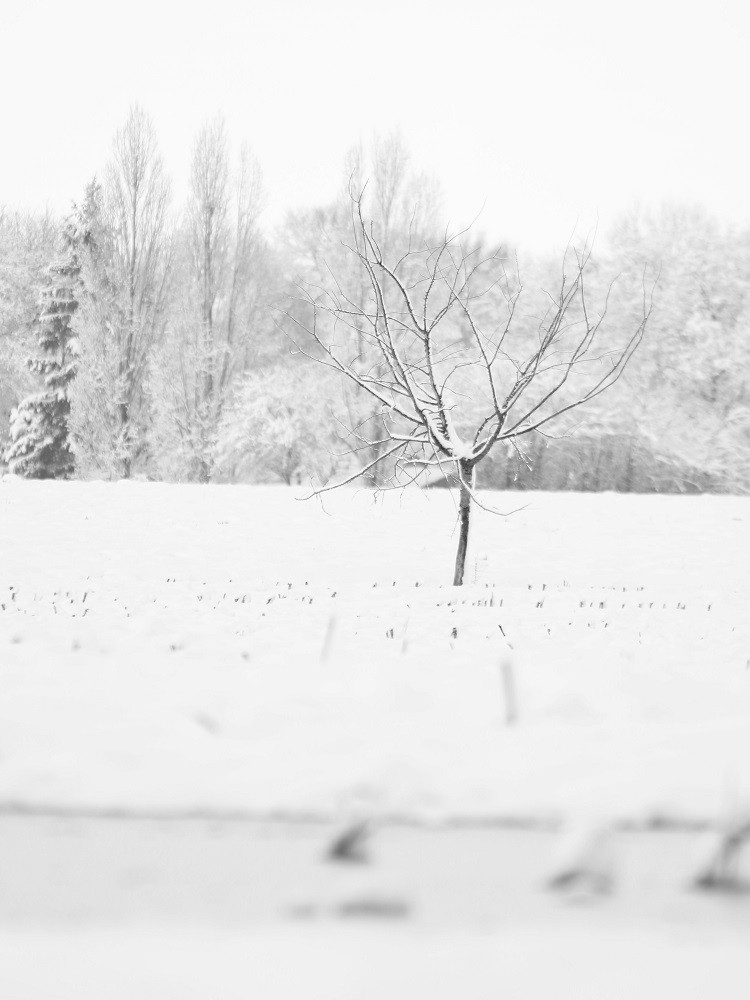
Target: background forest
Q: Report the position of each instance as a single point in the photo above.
(144, 337)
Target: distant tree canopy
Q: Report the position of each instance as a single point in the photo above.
(184, 370)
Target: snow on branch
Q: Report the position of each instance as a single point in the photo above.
(435, 337)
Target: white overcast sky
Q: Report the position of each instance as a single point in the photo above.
(544, 115)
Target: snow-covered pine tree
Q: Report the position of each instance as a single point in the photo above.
(39, 445)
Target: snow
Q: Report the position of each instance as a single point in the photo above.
(232, 650)
(175, 910)
(229, 652)
(160, 964)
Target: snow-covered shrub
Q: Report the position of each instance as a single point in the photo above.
(278, 428)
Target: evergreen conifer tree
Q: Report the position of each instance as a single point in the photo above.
(39, 445)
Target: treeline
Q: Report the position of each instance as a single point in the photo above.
(139, 337)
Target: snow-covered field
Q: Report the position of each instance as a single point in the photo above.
(355, 963)
(197, 649)
(230, 654)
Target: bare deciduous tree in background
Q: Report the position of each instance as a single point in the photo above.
(136, 197)
(220, 287)
(208, 214)
(450, 366)
(404, 206)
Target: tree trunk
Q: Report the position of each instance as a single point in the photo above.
(123, 411)
(464, 514)
(204, 470)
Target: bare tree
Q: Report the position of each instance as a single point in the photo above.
(220, 289)
(404, 208)
(450, 365)
(209, 211)
(136, 197)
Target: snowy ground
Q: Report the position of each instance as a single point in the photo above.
(218, 655)
(200, 909)
(176, 648)
(354, 963)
